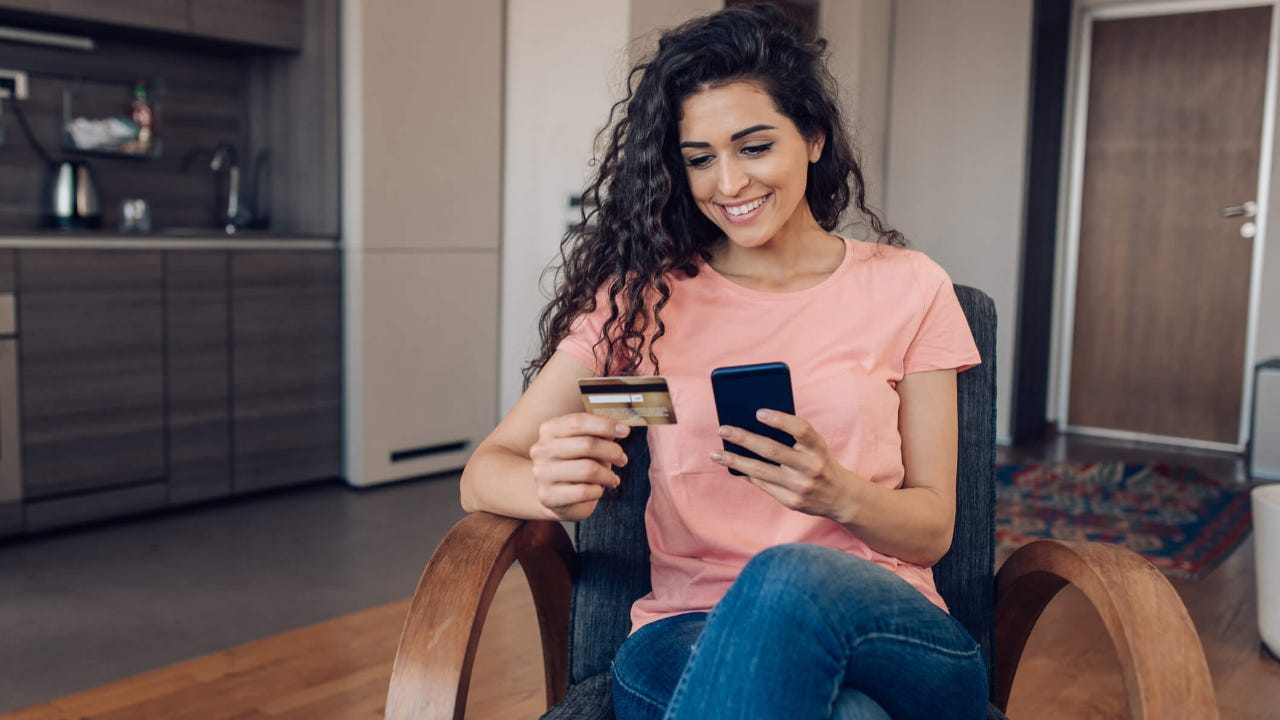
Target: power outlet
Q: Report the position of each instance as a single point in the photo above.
(13, 83)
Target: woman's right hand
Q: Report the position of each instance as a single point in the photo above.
(572, 462)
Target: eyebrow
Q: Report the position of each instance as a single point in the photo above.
(732, 138)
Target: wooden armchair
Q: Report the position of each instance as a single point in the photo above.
(583, 596)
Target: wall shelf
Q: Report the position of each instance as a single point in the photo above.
(154, 151)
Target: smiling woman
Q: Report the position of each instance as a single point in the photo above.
(640, 221)
(796, 581)
(750, 181)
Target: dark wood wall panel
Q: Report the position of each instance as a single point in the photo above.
(304, 171)
(198, 367)
(199, 96)
(286, 344)
(92, 369)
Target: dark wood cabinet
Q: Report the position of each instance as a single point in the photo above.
(10, 518)
(198, 369)
(91, 366)
(153, 378)
(8, 279)
(270, 23)
(166, 15)
(275, 24)
(30, 5)
(286, 367)
(10, 435)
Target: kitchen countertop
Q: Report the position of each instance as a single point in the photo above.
(185, 239)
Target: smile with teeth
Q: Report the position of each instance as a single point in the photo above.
(740, 211)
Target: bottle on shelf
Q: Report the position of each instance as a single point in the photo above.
(140, 113)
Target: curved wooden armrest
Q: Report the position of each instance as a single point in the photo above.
(437, 648)
(1161, 659)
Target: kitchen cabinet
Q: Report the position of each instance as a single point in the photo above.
(286, 367)
(165, 15)
(91, 366)
(10, 437)
(197, 349)
(30, 5)
(269, 23)
(276, 24)
(167, 377)
(10, 518)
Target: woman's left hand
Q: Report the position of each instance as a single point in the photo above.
(806, 477)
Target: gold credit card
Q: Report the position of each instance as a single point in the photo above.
(642, 400)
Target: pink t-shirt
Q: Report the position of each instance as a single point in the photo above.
(885, 312)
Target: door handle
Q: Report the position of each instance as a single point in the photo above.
(1248, 209)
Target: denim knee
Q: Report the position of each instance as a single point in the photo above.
(799, 579)
(797, 563)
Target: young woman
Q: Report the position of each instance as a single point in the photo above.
(803, 589)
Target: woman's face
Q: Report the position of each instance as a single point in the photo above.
(746, 162)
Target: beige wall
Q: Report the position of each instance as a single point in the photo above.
(648, 18)
(558, 96)
(956, 147)
(858, 34)
(559, 87)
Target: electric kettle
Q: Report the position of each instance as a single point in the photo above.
(72, 202)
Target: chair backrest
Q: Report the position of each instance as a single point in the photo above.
(613, 552)
(965, 576)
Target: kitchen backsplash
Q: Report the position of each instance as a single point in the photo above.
(199, 98)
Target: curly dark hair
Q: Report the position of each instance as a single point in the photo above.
(639, 221)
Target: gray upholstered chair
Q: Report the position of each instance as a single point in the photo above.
(583, 596)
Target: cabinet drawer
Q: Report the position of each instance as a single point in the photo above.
(286, 364)
(91, 369)
(198, 366)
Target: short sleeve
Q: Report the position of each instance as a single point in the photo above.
(942, 340)
(585, 334)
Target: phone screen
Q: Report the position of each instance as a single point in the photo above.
(742, 390)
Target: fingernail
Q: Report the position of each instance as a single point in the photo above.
(725, 431)
(763, 414)
(717, 456)
(622, 429)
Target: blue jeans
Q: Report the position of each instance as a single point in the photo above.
(805, 632)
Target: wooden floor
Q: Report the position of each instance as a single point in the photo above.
(1070, 670)
(336, 669)
(339, 669)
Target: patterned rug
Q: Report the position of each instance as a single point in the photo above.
(1181, 520)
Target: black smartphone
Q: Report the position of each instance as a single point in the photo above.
(741, 390)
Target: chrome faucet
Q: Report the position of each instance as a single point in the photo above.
(235, 216)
